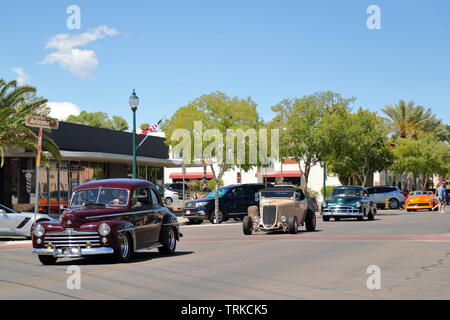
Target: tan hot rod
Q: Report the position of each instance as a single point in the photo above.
(280, 209)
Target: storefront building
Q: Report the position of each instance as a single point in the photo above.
(88, 153)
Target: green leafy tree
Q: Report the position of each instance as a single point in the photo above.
(216, 112)
(422, 157)
(355, 145)
(300, 118)
(100, 120)
(15, 104)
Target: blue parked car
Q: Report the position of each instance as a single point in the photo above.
(233, 203)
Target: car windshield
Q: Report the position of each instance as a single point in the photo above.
(212, 194)
(111, 197)
(341, 192)
(421, 193)
(277, 194)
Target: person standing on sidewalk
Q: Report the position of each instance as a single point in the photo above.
(442, 197)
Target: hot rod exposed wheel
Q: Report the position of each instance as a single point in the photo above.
(247, 226)
(123, 252)
(310, 221)
(168, 241)
(212, 217)
(293, 225)
(47, 260)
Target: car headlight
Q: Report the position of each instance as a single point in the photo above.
(358, 204)
(201, 204)
(283, 219)
(256, 219)
(39, 231)
(104, 229)
(324, 204)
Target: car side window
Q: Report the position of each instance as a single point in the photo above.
(237, 192)
(371, 191)
(141, 198)
(155, 198)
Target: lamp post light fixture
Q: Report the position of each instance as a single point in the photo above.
(134, 103)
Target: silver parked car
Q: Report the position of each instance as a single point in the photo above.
(393, 194)
(16, 224)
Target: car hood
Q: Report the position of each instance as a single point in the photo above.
(74, 218)
(343, 201)
(420, 198)
(200, 200)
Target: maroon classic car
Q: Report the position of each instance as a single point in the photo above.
(116, 216)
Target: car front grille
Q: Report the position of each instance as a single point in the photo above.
(269, 215)
(341, 210)
(419, 204)
(72, 239)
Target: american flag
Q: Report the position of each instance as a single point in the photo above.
(145, 132)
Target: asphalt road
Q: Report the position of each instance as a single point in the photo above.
(412, 252)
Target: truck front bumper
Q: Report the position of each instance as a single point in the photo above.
(72, 252)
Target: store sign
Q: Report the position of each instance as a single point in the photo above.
(41, 122)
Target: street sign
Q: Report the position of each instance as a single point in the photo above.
(41, 122)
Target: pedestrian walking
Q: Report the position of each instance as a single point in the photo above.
(442, 197)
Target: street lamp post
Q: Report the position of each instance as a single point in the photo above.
(134, 103)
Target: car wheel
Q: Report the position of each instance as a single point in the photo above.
(293, 225)
(325, 219)
(123, 252)
(394, 204)
(168, 201)
(371, 215)
(247, 226)
(169, 241)
(212, 217)
(47, 260)
(195, 221)
(310, 221)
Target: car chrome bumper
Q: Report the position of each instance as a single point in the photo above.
(342, 213)
(58, 253)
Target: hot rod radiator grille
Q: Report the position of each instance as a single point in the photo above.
(72, 240)
(269, 215)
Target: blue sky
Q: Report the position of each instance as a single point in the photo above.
(174, 51)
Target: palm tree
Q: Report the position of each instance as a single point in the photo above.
(15, 104)
(408, 120)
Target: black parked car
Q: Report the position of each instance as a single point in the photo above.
(233, 203)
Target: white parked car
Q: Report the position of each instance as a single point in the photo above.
(170, 196)
(13, 223)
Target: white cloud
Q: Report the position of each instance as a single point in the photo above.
(62, 110)
(184, 80)
(79, 62)
(22, 77)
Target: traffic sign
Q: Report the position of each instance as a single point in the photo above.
(41, 122)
